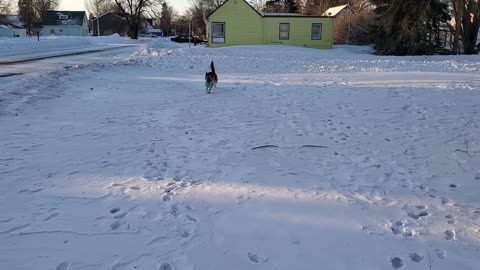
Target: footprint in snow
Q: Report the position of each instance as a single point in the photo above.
(441, 253)
(444, 201)
(415, 257)
(120, 216)
(419, 214)
(185, 234)
(192, 218)
(450, 235)
(254, 258)
(114, 210)
(397, 263)
(166, 196)
(451, 219)
(165, 266)
(175, 210)
(62, 266)
(115, 225)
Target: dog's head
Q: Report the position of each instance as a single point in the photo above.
(208, 77)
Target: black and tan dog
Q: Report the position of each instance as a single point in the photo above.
(211, 79)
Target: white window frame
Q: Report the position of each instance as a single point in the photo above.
(218, 39)
(319, 37)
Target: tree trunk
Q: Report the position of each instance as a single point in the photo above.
(458, 8)
(471, 25)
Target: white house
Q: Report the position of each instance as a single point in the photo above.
(8, 29)
(65, 23)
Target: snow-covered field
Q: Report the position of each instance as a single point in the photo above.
(300, 159)
(18, 49)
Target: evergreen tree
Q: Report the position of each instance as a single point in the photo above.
(166, 19)
(408, 27)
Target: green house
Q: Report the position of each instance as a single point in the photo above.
(236, 22)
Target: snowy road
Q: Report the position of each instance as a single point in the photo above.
(133, 166)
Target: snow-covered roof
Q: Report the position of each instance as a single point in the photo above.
(53, 17)
(4, 24)
(15, 19)
(334, 11)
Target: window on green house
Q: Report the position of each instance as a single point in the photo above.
(218, 32)
(284, 31)
(316, 31)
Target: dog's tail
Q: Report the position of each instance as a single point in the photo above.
(212, 67)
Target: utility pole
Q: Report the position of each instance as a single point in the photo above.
(98, 26)
(190, 33)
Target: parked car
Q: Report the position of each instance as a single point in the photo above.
(184, 39)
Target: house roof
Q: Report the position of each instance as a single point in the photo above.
(272, 14)
(54, 17)
(15, 19)
(4, 24)
(334, 11)
(268, 14)
(229, 0)
(120, 15)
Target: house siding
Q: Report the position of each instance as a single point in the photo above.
(6, 32)
(243, 26)
(20, 32)
(110, 24)
(68, 30)
(9, 32)
(300, 31)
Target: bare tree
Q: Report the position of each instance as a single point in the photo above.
(41, 6)
(32, 12)
(467, 25)
(257, 4)
(137, 10)
(99, 7)
(166, 19)
(457, 9)
(198, 13)
(5, 8)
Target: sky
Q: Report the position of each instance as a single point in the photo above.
(179, 5)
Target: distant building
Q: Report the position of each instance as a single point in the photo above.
(110, 23)
(8, 29)
(65, 23)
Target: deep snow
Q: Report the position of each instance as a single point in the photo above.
(300, 159)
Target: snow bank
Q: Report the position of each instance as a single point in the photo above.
(274, 59)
